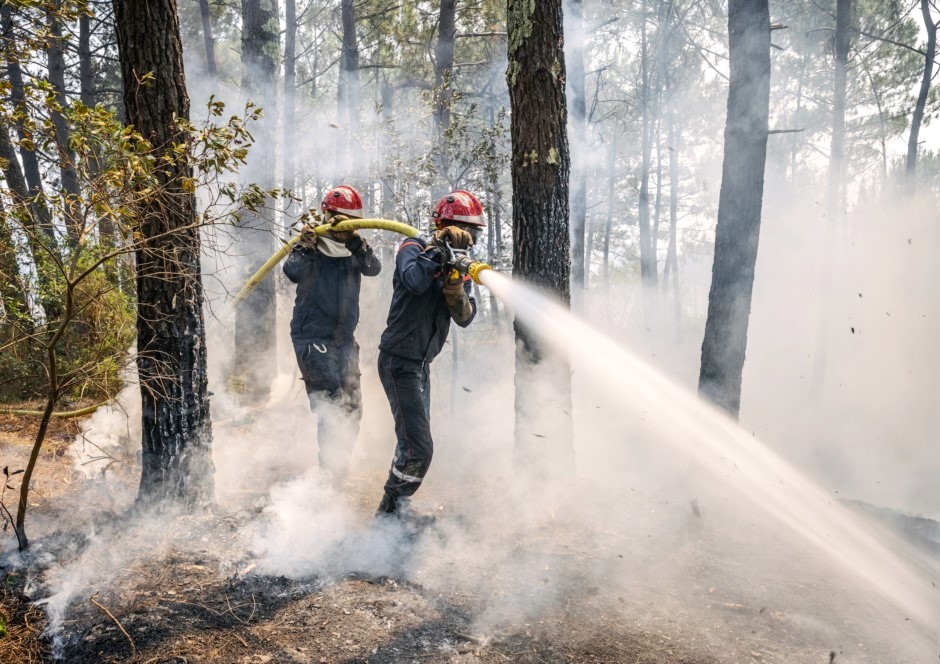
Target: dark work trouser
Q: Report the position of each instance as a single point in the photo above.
(408, 388)
(330, 372)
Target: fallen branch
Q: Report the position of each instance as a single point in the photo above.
(116, 622)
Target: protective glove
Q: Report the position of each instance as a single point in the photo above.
(457, 238)
(341, 236)
(308, 238)
(458, 304)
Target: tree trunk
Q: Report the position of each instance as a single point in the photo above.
(208, 39)
(918, 117)
(609, 225)
(671, 269)
(290, 94)
(443, 89)
(739, 204)
(12, 294)
(30, 160)
(349, 90)
(66, 158)
(578, 109)
(255, 361)
(833, 192)
(540, 170)
(647, 260)
(171, 361)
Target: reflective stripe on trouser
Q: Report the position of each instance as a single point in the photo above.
(407, 387)
(331, 377)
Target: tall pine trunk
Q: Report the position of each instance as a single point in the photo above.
(918, 117)
(348, 93)
(443, 89)
(540, 170)
(171, 361)
(739, 205)
(578, 108)
(290, 94)
(65, 157)
(255, 356)
(207, 39)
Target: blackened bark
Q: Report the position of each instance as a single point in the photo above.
(671, 268)
(13, 296)
(171, 361)
(255, 361)
(541, 256)
(578, 108)
(207, 37)
(66, 158)
(918, 117)
(739, 204)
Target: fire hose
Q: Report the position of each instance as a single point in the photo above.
(458, 263)
(473, 268)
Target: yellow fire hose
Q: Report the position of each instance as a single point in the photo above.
(353, 224)
(64, 414)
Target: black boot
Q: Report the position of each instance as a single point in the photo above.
(389, 505)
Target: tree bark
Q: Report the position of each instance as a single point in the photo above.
(578, 109)
(918, 116)
(443, 89)
(255, 361)
(647, 259)
(290, 94)
(66, 158)
(671, 269)
(171, 361)
(41, 216)
(540, 171)
(739, 205)
(207, 37)
(349, 90)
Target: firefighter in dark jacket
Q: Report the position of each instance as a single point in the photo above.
(424, 301)
(328, 272)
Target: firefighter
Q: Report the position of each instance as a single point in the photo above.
(425, 299)
(328, 272)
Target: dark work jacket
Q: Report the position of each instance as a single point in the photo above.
(418, 319)
(327, 303)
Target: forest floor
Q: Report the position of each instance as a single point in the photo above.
(200, 596)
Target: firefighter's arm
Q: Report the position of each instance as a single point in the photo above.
(417, 268)
(460, 301)
(298, 264)
(369, 264)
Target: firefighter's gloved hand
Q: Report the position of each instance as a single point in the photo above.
(308, 238)
(341, 236)
(458, 304)
(457, 238)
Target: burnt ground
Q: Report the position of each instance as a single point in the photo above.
(185, 602)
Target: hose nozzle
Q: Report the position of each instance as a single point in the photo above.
(476, 268)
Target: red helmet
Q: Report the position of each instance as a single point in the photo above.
(344, 200)
(461, 207)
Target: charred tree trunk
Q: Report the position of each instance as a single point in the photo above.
(540, 170)
(171, 361)
(739, 205)
(443, 89)
(577, 106)
(255, 361)
(66, 158)
(918, 117)
(15, 301)
(609, 224)
(671, 269)
(208, 39)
